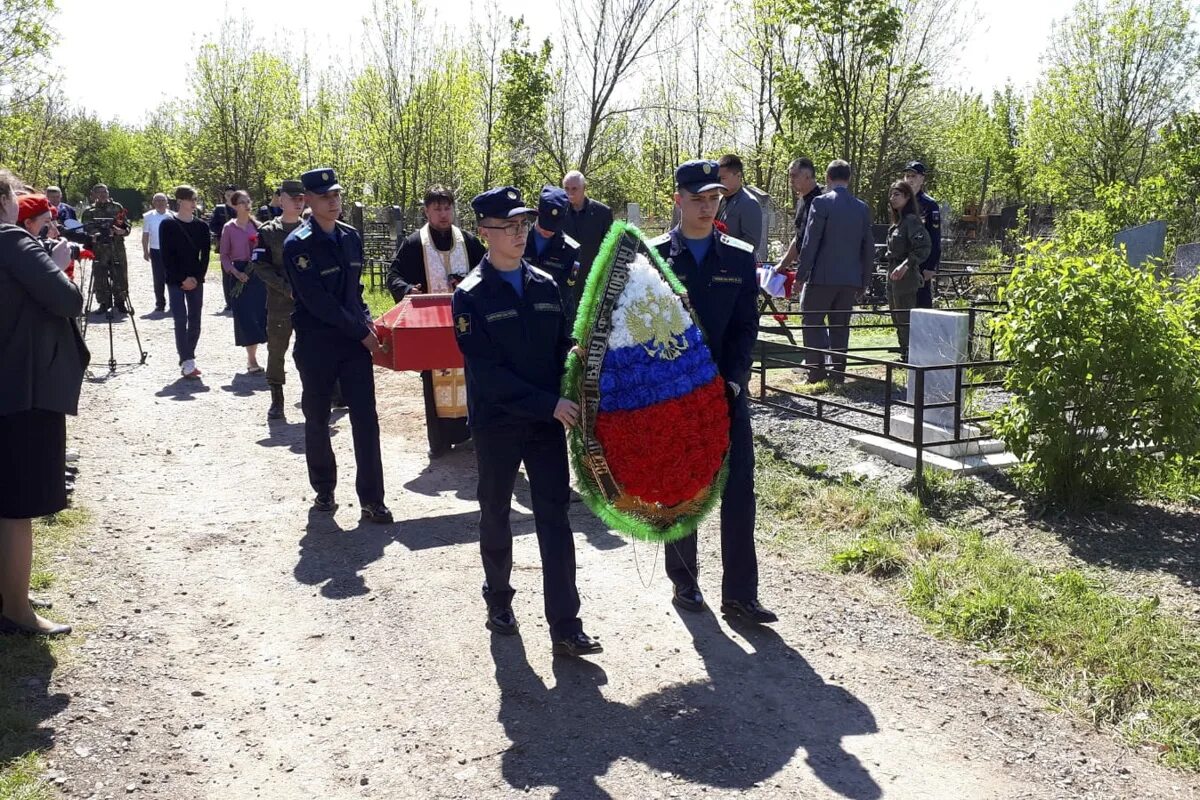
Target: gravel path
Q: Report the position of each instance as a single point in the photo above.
(232, 647)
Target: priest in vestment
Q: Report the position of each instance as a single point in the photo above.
(432, 261)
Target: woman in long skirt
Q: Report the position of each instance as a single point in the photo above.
(239, 237)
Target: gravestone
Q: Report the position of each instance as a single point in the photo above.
(1186, 264)
(937, 337)
(1142, 242)
(633, 213)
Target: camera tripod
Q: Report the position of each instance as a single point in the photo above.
(108, 317)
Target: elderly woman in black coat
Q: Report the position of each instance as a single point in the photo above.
(42, 360)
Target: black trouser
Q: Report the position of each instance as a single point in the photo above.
(740, 562)
(324, 359)
(817, 303)
(499, 452)
(159, 273)
(185, 310)
(925, 295)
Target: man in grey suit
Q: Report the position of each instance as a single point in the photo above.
(740, 210)
(837, 258)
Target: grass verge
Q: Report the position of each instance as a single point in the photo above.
(26, 665)
(1121, 664)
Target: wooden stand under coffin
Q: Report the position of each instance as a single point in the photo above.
(418, 333)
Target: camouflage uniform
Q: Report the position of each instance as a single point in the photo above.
(110, 269)
(279, 296)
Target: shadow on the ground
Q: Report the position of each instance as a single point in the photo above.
(1132, 537)
(289, 434)
(26, 667)
(183, 389)
(739, 727)
(334, 557)
(456, 471)
(244, 385)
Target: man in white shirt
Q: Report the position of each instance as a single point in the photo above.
(150, 222)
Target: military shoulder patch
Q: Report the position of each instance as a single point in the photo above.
(302, 262)
(462, 325)
(659, 240)
(570, 242)
(738, 243)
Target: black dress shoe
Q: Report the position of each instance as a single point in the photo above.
(502, 621)
(577, 644)
(377, 513)
(688, 598)
(10, 628)
(325, 503)
(748, 610)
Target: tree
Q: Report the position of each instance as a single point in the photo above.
(241, 99)
(605, 43)
(24, 39)
(1117, 73)
(524, 90)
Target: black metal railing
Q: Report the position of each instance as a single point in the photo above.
(847, 365)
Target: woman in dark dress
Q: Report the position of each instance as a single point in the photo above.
(239, 237)
(42, 359)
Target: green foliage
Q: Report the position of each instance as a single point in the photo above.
(872, 556)
(1120, 663)
(1117, 662)
(1105, 365)
(1117, 71)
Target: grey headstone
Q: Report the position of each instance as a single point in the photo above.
(1142, 242)
(1186, 264)
(633, 213)
(937, 337)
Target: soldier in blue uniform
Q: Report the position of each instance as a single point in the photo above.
(718, 272)
(931, 215)
(552, 250)
(334, 343)
(509, 324)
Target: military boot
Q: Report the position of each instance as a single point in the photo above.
(276, 409)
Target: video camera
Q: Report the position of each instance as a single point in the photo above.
(74, 232)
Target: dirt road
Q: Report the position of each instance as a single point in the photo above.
(232, 647)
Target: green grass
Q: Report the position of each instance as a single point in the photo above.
(1121, 664)
(379, 301)
(20, 780)
(23, 659)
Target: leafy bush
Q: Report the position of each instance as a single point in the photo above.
(1105, 370)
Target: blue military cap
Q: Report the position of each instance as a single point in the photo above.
(697, 176)
(915, 166)
(502, 202)
(321, 180)
(552, 206)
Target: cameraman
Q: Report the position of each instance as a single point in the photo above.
(110, 269)
(41, 371)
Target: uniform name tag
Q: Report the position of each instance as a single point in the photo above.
(726, 279)
(330, 271)
(555, 307)
(499, 315)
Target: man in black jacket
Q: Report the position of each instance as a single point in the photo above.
(587, 222)
(508, 322)
(183, 242)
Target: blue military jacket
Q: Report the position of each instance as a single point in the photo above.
(325, 273)
(931, 215)
(561, 260)
(514, 347)
(723, 292)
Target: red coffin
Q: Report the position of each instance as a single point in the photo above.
(419, 334)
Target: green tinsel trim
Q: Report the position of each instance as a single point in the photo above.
(628, 523)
